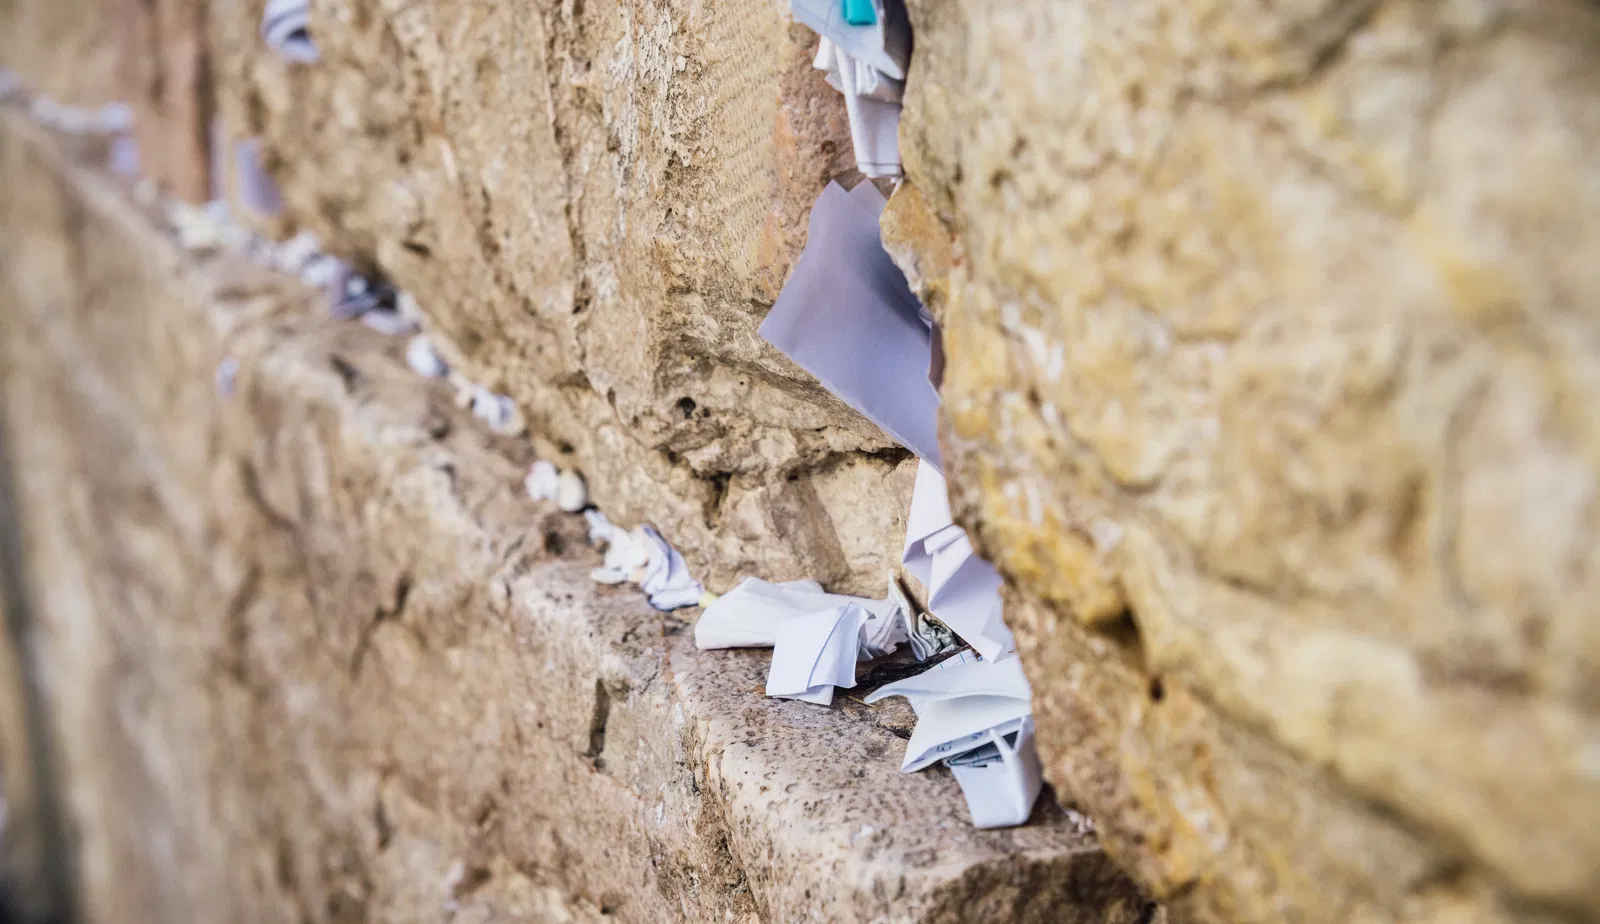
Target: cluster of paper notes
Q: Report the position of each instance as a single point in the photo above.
(848, 317)
(641, 556)
(865, 49)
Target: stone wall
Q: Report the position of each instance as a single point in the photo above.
(595, 204)
(1267, 378)
(1269, 368)
(311, 656)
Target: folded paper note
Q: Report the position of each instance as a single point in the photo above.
(1000, 780)
(666, 575)
(847, 317)
(957, 704)
(883, 44)
(816, 652)
(286, 28)
(872, 103)
(963, 589)
(643, 557)
(753, 614)
(425, 361)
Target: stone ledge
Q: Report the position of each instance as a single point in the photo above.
(359, 675)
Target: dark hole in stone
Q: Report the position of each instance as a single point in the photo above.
(348, 374)
(554, 543)
(421, 250)
(1158, 691)
(686, 407)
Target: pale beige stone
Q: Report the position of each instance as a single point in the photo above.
(1268, 344)
(594, 205)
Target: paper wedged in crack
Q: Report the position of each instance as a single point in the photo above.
(816, 652)
(1001, 779)
(884, 44)
(872, 103)
(963, 589)
(957, 702)
(752, 614)
(285, 27)
(847, 317)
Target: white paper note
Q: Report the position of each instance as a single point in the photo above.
(257, 190)
(285, 26)
(666, 575)
(752, 614)
(1001, 780)
(816, 652)
(963, 589)
(957, 704)
(885, 45)
(872, 102)
(847, 317)
(425, 361)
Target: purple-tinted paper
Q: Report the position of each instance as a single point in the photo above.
(848, 317)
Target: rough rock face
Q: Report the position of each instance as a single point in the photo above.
(1267, 387)
(1270, 359)
(312, 657)
(596, 204)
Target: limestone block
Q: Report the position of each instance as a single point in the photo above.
(313, 657)
(149, 54)
(68, 49)
(1267, 387)
(595, 204)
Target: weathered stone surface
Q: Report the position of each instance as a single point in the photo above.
(68, 50)
(595, 203)
(1270, 349)
(148, 54)
(314, 658)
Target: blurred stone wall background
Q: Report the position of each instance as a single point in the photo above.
(1268, 383)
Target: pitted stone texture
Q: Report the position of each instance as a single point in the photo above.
(315, 658)
(1267, 361)
(67, 49)
(595, 204)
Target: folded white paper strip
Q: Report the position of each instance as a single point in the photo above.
(752, 615)
(957, 702)
(963, 589)
(666, 575)
(1001, 779)
(884, 45)
(425, 361)
(286, 28)
(257, 191)
(847, 317)
(872, 102)
(816, 652)
(643, 557)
